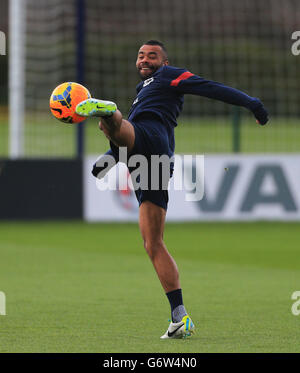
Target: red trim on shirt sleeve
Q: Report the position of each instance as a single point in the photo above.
(183, 76)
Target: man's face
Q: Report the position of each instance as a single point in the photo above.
(150, 58)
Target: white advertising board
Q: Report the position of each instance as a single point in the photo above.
(236, 188)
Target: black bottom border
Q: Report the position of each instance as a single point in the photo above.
(142, 361)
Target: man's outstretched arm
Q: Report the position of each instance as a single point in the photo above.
(196, 85)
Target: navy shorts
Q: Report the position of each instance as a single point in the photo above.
(151, 138)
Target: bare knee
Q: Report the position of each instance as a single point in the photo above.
(118, 130)
(111, 125)
(152, 247)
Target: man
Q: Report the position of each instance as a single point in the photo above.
(149, 130)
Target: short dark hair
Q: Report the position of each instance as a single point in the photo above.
(157, 42)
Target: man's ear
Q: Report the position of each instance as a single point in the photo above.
(166, 62)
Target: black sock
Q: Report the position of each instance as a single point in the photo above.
(177, 308)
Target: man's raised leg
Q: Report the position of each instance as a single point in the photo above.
(120, 131)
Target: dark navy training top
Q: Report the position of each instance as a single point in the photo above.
(159, 101)
(162, 96)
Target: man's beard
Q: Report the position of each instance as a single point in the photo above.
(152, 70)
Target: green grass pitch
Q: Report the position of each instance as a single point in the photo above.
(78, 287)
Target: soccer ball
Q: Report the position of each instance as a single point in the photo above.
(65, 98)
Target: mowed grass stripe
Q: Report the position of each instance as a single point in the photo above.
(77, 287)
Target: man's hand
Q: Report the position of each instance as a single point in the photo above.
(260, 113)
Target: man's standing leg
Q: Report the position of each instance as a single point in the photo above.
(152, 222)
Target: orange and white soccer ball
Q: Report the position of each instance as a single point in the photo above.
(65, 98)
